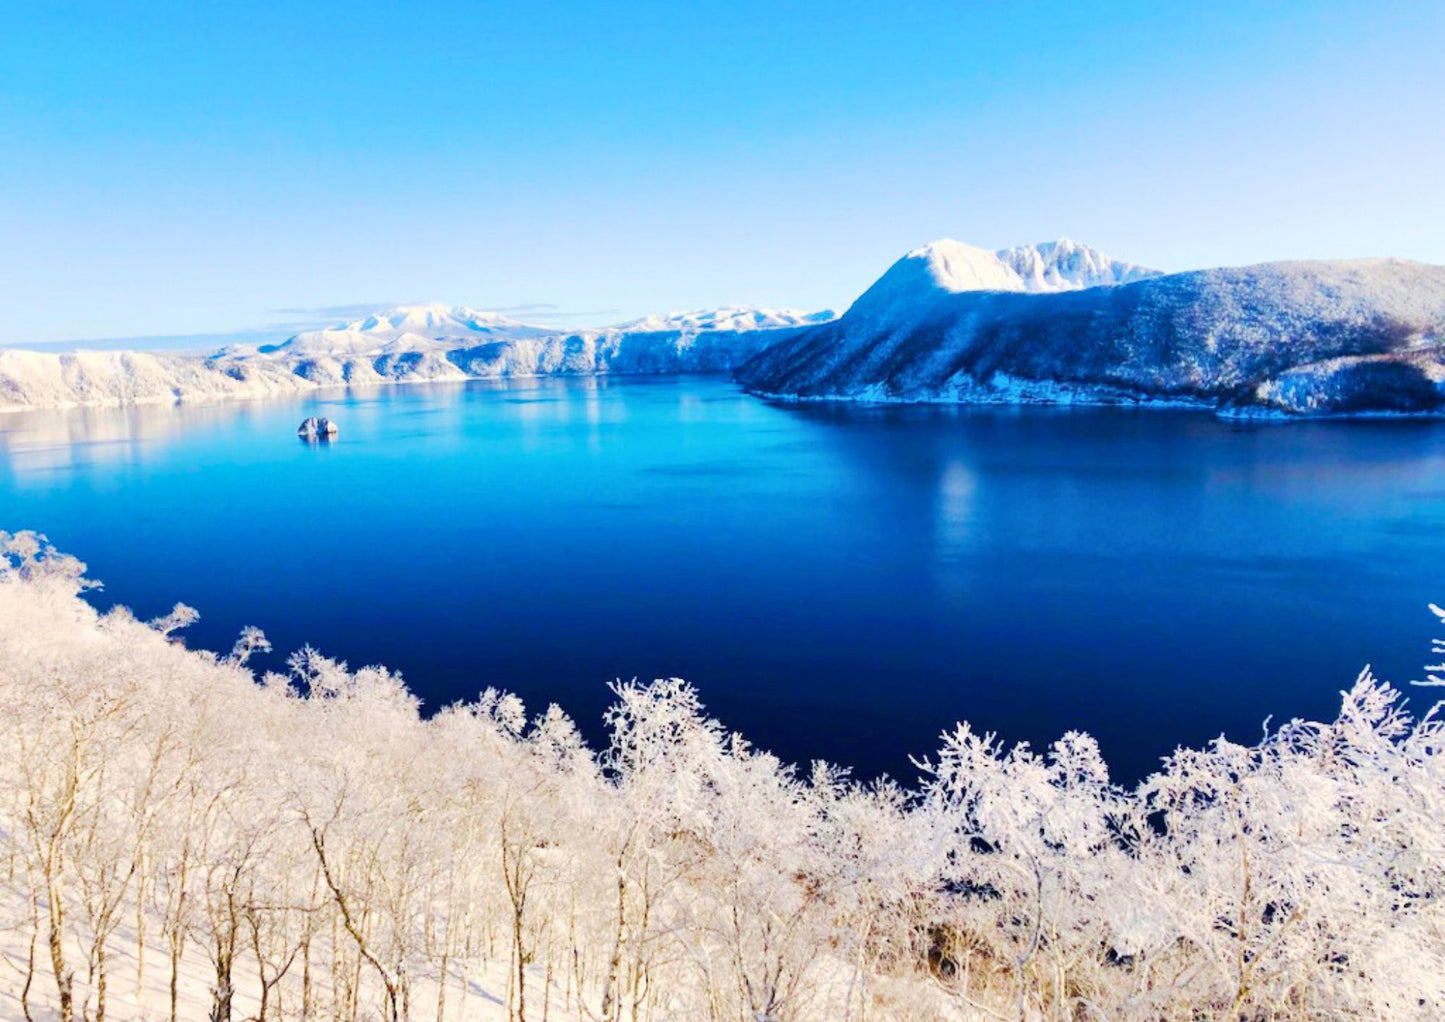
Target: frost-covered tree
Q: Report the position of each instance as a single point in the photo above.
(179, 832)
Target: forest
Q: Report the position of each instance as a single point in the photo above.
(183, 837)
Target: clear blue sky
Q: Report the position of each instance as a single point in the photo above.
(194, 167)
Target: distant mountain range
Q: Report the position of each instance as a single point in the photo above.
(410, 343)
(1057, 322)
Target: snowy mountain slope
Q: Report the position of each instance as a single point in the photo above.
(1304, 337)
(406, 344)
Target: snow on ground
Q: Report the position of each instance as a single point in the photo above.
(139, 989)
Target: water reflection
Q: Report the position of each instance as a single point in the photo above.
(45, 440)
(956, 490)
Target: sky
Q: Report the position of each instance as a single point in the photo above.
(207, 169)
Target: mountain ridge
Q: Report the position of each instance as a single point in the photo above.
(1054, 322)
(1304, 337)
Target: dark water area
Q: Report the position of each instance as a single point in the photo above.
(839, 582)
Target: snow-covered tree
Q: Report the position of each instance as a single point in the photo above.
(178, 833)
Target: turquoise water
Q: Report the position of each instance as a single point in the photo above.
(839, 582)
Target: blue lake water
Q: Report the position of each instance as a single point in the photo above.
(840, 582)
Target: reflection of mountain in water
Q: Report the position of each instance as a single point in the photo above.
(48, 438)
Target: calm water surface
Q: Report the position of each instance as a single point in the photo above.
(839, 582)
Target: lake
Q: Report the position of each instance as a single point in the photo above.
(839, 582)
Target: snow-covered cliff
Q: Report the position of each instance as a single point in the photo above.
(946, 324)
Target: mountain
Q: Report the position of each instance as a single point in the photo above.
(1356, 336)
(1056, 322)
(410, 343)
(35, 379)
(735, 319)
(436, 322)
(705, 341)
(933, 273)
(1065, 265)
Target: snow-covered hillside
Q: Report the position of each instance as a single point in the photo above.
(307, 846)
(952, 323)
(407, 344)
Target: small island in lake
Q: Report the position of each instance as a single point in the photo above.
(313, 428)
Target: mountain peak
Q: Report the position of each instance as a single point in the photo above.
(948, 266)
(1068, 265)
(951, 265)
(931, 272)
(436, 320)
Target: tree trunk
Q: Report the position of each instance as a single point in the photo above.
(64, 978)
(224, 992)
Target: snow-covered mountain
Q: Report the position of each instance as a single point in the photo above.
(735, 319)
(34, 379)
(410, 343)
(1066, 265)
(704, 341)
(436, 321)
(947, 267)
(945, 324)
(1055, 322)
